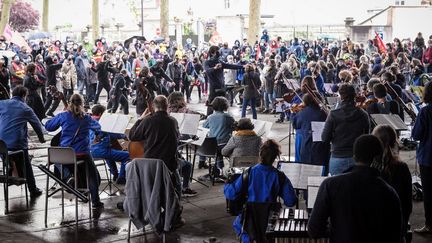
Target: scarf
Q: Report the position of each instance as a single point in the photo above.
(245, 133)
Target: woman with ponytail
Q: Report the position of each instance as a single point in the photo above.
(75, 128)
(395, 172)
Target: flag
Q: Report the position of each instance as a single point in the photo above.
(7, 33)
(380, 42)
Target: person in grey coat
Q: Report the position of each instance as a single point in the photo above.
(150, 195)
(245, 142)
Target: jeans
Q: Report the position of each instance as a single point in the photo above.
(31, 183)
(112, 156)
(186, 170)
(119, 99)
(426, 180)
(340, 165)
(91, 92)
(268, 99)
(252, 102)
(94, 180)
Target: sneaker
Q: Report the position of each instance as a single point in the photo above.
(188, 192)
(202, 165)
(179, 223)
(97, 205)
(266, 111)
(120, 206)
(424, 230)
(35, 193)
(279, 121)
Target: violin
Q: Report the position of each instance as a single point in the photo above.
(297, 107)
(288, 97)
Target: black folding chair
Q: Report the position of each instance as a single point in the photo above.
(7, 178)
(209, 149)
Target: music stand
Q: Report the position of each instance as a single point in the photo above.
(389, 119)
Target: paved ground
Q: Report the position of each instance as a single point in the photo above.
(205, 214)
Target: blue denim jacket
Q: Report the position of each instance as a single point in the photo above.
(14, 115)
(221, 126)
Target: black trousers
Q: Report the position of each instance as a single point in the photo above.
(185, 89)
(426, 180)
(100, 86)
(120, 99)
(199, 90)
(51, 101)
(28, 168)
(67, 93)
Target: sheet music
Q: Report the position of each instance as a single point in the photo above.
(390, 119)
(299, 173)
(312, 195)
(201, 134)
(317, 130)
(328, 88)
(262, 128)
(188, 123)
(114, 123)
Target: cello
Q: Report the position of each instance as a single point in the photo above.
(136, 148)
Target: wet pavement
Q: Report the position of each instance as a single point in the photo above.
(205, 214)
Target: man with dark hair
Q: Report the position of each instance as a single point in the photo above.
(361, 206)
(342, 127)
(14, 116)
(214, 70)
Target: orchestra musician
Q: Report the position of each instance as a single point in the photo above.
(14, 115)
(395, 172)
(309, 151)
(264, 186)
(76, 125)
(159, 134)
(342, 127)
(101, 148)
(422, 131)
(360, 205)
(382, 105)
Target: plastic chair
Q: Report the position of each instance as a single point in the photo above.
(66, 156)
(244, 161)
(8, 180)
(209, 149)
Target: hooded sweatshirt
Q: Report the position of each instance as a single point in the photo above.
(343, 126)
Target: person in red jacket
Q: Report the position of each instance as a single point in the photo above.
(427, 58)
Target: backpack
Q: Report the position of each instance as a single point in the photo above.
(235, 207)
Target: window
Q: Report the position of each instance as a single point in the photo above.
(227, 4)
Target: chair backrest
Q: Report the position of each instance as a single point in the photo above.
(255, 219)
(244, 161)
(61, 155)
(208, 148)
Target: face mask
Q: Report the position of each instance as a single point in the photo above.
(17, 60)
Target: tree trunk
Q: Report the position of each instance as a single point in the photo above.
(95, 19)
(254, 20)
(45, 14)
(4, 18)
(164, 17)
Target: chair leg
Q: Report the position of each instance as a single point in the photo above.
(88, 190)
(6, 193)
(62, 193)
(26, 194)
(76, 198)
(46, 201)
(129, 230)
(193, 163)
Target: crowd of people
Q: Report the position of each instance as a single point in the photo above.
(294, 78)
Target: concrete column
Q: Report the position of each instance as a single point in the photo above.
(164, 18)
(45, 15)
(4, 18)
(95, 19)
(254, 20)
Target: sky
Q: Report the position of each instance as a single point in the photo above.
(289, 12)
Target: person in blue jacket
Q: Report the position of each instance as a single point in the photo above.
(101, 148)
(422, 131)
(263, 186)
(309, 151)
(76, 126)
(14, 116)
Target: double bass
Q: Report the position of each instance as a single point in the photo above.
(136, 148)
